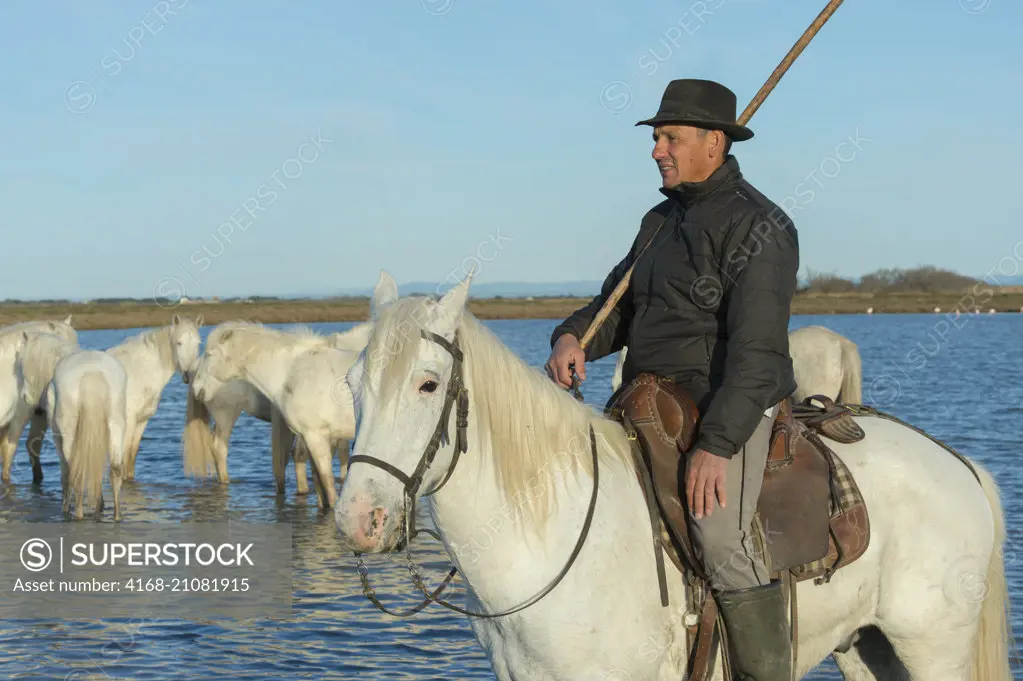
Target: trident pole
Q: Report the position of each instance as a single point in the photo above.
(743, 119)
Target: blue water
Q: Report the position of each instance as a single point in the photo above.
(962, 382)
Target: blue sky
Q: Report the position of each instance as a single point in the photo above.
(425, 135)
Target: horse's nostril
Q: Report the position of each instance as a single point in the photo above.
(376, 521)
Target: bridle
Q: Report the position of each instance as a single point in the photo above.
(458, 394)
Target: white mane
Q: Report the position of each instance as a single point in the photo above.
(257, 338)
(534, 427)
(158, 339)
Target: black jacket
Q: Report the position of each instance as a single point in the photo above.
(708, 304)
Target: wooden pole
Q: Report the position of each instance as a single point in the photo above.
(743, 119)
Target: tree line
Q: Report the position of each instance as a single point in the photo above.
(926, 279)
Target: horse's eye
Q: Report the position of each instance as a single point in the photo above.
(428, 387)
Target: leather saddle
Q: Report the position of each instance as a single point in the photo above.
(811, 519)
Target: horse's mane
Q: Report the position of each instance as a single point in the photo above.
(157, 338)
(536, 429)
(259, 336)
(43, 353)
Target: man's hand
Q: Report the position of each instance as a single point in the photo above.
(566, 351)
(705, 476)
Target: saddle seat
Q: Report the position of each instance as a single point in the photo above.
(811, 519)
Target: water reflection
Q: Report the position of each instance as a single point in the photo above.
(969, 394)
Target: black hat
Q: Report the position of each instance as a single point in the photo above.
(702, 104)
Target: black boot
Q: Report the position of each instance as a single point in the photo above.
(756, 624)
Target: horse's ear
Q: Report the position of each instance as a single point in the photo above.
(198, 321)
(175, 320)
(385, 293)
(453, 302)
(67, 320)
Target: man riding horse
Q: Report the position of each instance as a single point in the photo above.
(707, 307)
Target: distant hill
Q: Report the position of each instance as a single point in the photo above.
(1004, 281)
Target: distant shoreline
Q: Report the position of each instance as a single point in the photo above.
(147, 313)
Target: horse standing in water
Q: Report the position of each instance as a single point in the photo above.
(18, 405)
(35, 367)
(302, 374)
(150, 359)
(824, 362)
(211, 420)
(86, 406)
(532, 456)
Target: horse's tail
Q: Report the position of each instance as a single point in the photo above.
(92, 438)
(616, 378)
(198, 439)
(991, 647)
(851, 391)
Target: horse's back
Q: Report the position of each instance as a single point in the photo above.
(316, 387)
(61, 329)
(922, 499)
(72, 368)
(39, 361)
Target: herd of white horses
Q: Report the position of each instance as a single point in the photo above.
(898, 612)
(97, 403)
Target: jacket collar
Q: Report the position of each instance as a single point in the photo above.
(689, 193)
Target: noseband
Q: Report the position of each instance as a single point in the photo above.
(458, 394)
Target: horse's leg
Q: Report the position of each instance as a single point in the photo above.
(936, 652)
(341, 452)
(871, 658)
(118, 434)
(317, 483)
(223, 426)
(11, 436)
(319, 450)
(281, 440)
(131, 448)
(300, 454)
(34, 444)
(65, 468)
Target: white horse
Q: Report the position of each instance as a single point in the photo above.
(150, 359)
(302, 374)
(525, 482)
(86, 405)
(824, 363)
(34, 368)
(17, 408)
(224, 403)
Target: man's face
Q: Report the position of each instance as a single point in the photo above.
(686, 154)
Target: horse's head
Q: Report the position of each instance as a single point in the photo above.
(64, 330)
(222, 361)
(185, 341)
(406, 382)
(11, 347)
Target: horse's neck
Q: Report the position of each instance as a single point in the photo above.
(485, 531)
(150, 360)
(475, 521)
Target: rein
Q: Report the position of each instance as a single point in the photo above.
(456, 393)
